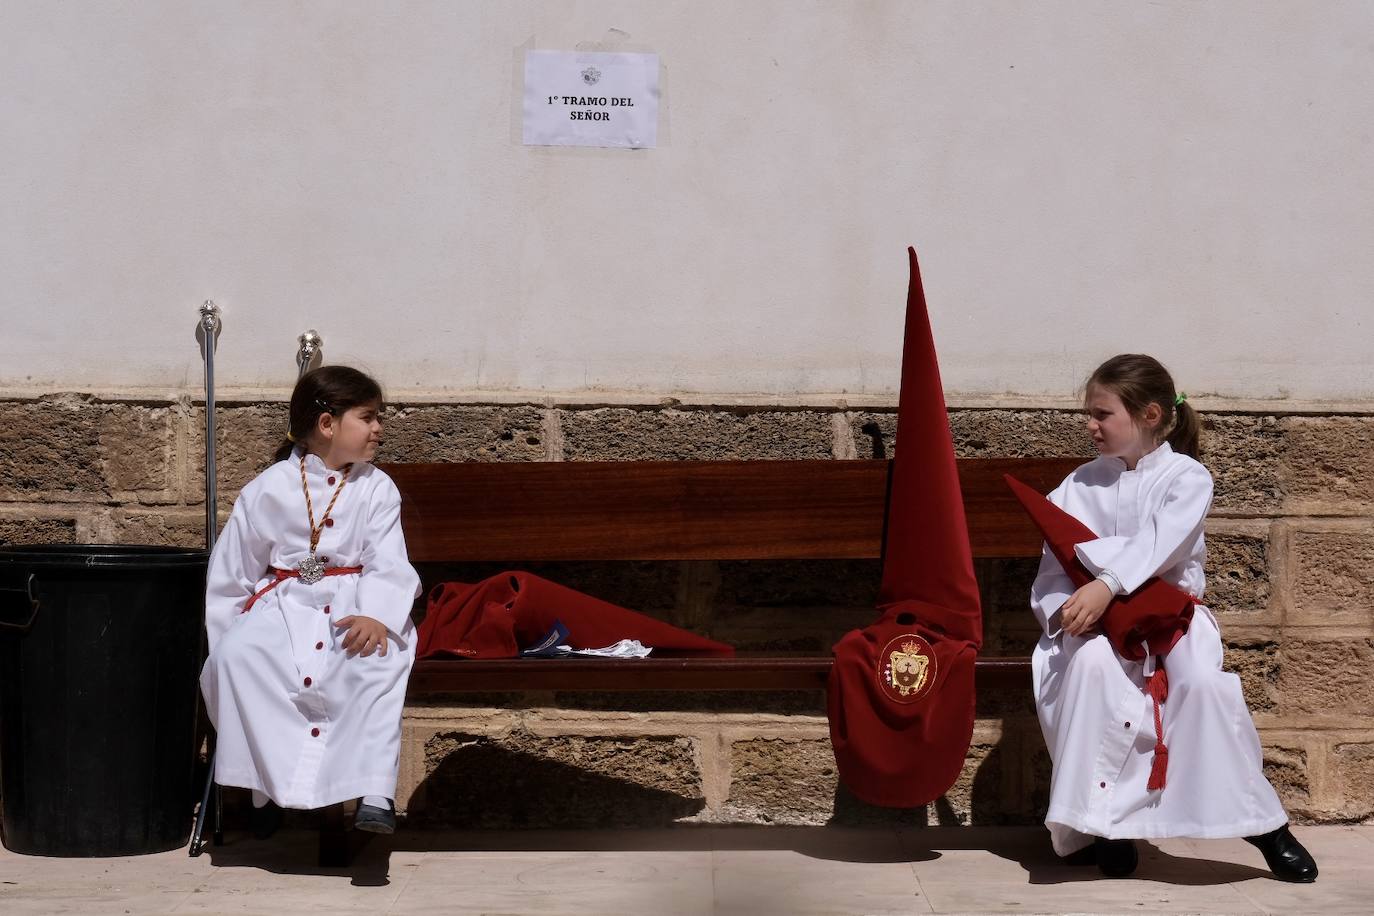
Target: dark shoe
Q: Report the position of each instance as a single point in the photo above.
(374, 819)
(1081, 857)
(1116, 858)
(1285, 856)
(266, 820)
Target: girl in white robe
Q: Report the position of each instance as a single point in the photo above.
(305, 680)
(1147, 500)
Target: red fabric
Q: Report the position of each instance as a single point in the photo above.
(1157, 613)
(906, 750)
(283, 574)
(497, 617)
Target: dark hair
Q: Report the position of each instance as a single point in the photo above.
(1140, 381)
(328, 389)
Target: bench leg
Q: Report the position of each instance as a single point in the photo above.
(217, 835)
(335, 851)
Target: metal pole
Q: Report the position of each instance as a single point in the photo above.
(207, 329)
(210, 326)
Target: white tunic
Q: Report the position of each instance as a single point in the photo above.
(295, 717)
(1097, 719)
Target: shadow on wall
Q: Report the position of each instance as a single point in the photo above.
(982, 796)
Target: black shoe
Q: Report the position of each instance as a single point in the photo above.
(1116, 858)
(1285, 856)
(266, 820)
(374, 819)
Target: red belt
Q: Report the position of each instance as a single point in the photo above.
(283, 574)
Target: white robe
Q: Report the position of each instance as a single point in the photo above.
(1097, 719)
(295, 717)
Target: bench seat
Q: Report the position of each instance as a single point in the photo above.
(684, 510)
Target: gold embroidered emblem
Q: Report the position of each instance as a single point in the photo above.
(907, 668)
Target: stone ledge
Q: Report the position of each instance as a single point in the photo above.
(819, 400)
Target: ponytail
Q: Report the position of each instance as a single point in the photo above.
(284, 450)
(1183, 438)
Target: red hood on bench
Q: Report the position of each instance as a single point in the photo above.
(901, 691)
(501, 615)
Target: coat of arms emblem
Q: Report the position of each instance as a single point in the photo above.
(906, 668)
(591, 76)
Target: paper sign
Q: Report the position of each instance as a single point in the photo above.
(592, 98)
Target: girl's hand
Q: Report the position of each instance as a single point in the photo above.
(1085, 607)
(365, 635)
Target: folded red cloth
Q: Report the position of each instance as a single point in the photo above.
(501, 615)
(1157, 614)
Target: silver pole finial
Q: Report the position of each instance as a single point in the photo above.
(311, 352)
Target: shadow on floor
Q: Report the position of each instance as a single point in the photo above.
(296, 852)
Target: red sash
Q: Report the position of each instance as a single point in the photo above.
(283, 574)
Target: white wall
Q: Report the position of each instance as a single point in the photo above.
(1189, 179)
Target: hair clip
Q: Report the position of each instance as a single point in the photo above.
(1182, 396)
(320, 403)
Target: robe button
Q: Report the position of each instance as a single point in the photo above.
(330, 481)
(329, 523)
(314, 732)
(307, 682)
(326, 609)
(1128, 725)
(1100, 785)
(319, 645)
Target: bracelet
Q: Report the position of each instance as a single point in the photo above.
(1109, 579)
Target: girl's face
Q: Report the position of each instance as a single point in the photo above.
(1114, 431)
(351, 437)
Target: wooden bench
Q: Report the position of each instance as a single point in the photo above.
(683, 510)
(517, 514)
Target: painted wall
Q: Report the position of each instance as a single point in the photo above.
(1190, 179)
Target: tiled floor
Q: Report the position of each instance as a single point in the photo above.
(693, 871)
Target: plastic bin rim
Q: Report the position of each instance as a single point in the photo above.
(121, 556)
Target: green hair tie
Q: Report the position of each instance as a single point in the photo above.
(1180, 398)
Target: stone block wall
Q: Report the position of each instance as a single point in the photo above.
(1291, 578)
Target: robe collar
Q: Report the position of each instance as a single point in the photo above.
(1150, 461)
(314, 464)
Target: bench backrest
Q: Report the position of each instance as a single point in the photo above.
(691, 510)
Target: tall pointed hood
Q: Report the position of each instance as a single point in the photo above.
(926, 553)
(900, 697)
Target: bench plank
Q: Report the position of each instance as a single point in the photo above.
(690, 510)
(739, 673)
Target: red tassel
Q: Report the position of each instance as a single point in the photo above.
(1158, 687)
(1158, 768)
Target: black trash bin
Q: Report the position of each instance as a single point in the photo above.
(99, 657)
